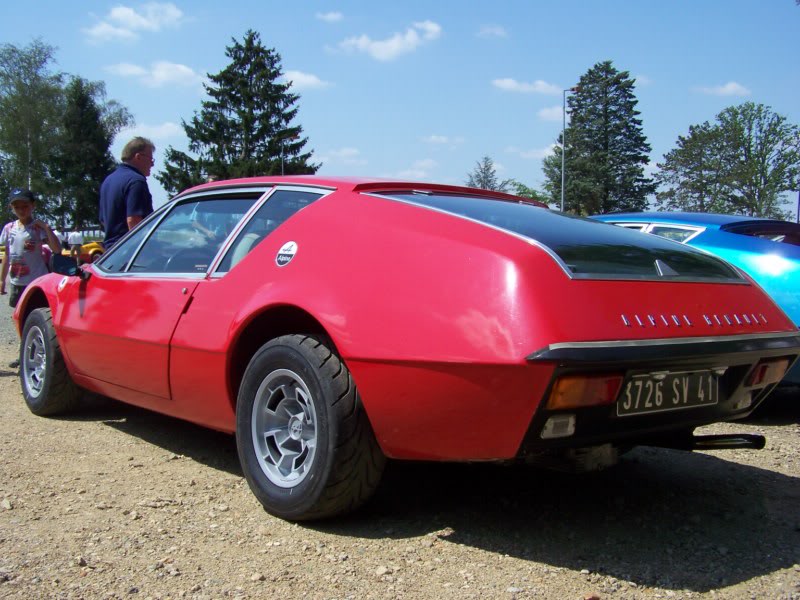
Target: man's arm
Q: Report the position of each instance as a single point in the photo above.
(138, 203)
(133, 221)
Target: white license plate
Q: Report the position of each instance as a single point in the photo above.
(656, 392)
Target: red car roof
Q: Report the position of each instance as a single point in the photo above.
(356, 184)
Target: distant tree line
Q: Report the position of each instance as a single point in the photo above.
(56, 130)
(55, 134)
(740, 164)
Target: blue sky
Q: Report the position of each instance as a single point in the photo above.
(423, 90)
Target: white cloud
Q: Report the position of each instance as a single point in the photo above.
(642, 80)
(305, 81)
(420, 169)
(729, 89)
(344, 156)
(552, 113)
(127, 70)
(443, 140)
(154, 16)
(537, 87)
(165, 73)
(104, 32)
(160, 74)
(533, 154)
(398, 44)
(345, 153)
(492, 31)
(157, 133)
(330, 17)
(124, 23)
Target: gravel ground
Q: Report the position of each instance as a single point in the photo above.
(117, 502)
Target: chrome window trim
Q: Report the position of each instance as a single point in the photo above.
(323, 191)
(222, 191)
(549, 251)
(158, 215)
(695, 228)
(629, 225)
(167, 209)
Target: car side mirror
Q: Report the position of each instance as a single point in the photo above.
(65, 265)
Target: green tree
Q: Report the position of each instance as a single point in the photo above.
(484, 176)
(245, 129)
(31, 105)
(522, 190)
(741, 164)
(82, 158)
(691, 176)
(765, 149)
(606, 149)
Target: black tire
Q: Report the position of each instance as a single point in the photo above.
(305, 444)
(46, 385)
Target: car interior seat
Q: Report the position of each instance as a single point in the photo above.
(243, 247)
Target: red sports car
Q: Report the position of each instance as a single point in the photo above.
(333, 323)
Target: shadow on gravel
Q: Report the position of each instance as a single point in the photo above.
(782, 407)
(211, 448)
(661, 518)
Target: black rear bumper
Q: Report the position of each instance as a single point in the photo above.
(601, 425)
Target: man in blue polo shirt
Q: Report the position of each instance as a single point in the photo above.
(124, 196)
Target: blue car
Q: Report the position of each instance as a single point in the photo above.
(767, 250)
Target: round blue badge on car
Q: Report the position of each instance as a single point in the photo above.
(286, 254)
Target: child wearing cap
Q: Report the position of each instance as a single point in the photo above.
(22, 240)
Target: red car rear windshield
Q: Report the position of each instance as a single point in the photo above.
(586, 248)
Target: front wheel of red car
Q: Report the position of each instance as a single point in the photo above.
(47, 386)
(304, 440)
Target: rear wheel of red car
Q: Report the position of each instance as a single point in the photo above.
(46, 385)
(304, 440)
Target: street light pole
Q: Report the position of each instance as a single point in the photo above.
(564, 139)
(563, 142)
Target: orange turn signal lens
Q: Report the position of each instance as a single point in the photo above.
(768, 371)
(575, 391)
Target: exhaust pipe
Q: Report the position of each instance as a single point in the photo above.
(735, 441)
(729, 442)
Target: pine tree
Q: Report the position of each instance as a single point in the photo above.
(245, 129)
(484, 176)
(606, 149)
(82, 158)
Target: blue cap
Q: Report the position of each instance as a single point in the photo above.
(21, 194)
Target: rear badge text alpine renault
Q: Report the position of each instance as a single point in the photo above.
(670, 320)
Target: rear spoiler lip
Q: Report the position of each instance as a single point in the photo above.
(630, 351)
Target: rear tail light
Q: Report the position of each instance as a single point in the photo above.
(768, 371)
(575, 391)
